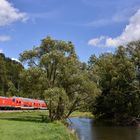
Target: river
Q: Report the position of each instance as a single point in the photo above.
(86, 130)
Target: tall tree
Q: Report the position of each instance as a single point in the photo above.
(64, 76)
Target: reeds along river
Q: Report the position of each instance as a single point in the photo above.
(86, 130)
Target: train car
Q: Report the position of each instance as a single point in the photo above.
(36, 104)
(27, 103)
(5, 103)
(42, 105)
(16, 102)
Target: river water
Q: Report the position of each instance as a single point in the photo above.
(86, 130)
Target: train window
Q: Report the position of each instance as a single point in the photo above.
(16, 101)
(20, 102)
(13, 100)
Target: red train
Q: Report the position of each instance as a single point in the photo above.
(21, 103)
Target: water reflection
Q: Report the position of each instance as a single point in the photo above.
(86, 130)
(83, 127)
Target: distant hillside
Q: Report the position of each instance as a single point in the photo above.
(9, 75)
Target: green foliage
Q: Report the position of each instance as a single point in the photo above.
(116, 75)
(9, 75)
(33, 82)
(58, 101)
(12, 91)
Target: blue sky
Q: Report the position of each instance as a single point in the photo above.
(94, 26)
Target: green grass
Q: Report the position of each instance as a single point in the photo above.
(82, 114)
(29, 126)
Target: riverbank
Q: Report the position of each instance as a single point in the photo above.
(107, 122)
(29, 126)
(82, 114)
(113, 122)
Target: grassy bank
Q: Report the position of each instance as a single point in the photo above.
(82, 114)
(29, 126)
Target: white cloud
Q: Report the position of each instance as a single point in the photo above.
(10, 14)
(118, 17)
(103, 22)
(99, 23)
(15, 59)
(4, 38)
(1, 51)
(99, 42)
(130, 33)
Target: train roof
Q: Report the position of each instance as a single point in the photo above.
(3, 97)
(28, 99)
(24, 99)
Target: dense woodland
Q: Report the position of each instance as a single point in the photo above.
(9, 76)
(108, 85)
